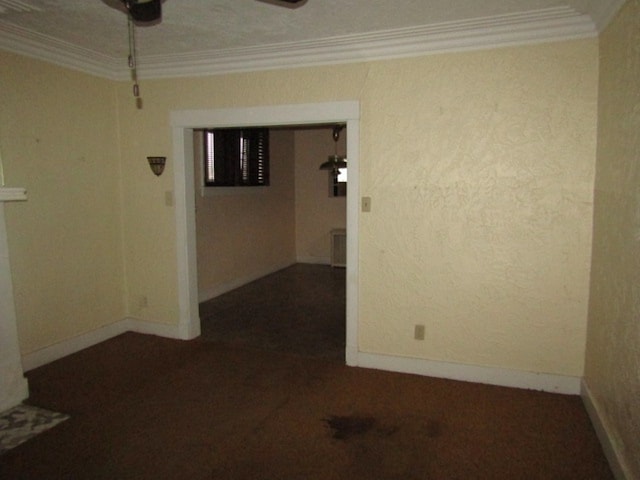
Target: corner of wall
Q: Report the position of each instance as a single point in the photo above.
(73, 345)
(603, 430)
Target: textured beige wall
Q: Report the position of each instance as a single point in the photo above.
(149, 226)
(246, 232)
(613, 343)
(58, 132)
(480, 167)
(316, 212)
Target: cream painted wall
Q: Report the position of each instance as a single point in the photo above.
(246, 233)
(480, 166)
(148, 219)
(316, 212)
(58, 131)
(613, 343)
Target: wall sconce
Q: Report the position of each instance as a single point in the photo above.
(157, 164)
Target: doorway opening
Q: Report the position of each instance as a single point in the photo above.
(183, 124)
(265, 251)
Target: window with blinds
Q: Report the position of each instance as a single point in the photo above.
(236, 157)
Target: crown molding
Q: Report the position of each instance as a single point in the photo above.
(544, 25)
(50, 49)
(604, 11)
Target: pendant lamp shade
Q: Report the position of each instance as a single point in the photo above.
(335, 162)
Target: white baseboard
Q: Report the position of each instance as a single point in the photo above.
(314, 260)
(351, 356)
(469, 373)
(72, 345)
(601, 426)
(15, 388)
(151, 328)
(220, 289)
(453, 371)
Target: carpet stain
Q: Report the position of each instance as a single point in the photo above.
(433, 429)
(347, 427)
(387, 430)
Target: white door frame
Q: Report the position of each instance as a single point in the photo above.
(182, 124)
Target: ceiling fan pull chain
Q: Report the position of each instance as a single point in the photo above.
(132, 57)
(132, 43)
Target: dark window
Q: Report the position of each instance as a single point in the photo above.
(236, 157)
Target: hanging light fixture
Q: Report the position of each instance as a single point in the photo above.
(144, 11)
(335, 162)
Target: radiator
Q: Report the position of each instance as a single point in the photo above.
(339, 247)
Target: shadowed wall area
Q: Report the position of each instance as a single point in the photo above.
(145, 407)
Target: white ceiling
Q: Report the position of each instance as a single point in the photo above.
(215, 36)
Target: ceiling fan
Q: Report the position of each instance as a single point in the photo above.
(147, 11)
(144, 11)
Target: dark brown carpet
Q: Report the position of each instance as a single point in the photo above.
(299, 310)
(143, 407)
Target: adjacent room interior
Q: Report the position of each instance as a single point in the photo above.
(293, 232)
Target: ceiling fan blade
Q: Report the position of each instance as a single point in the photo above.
(285, 3)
